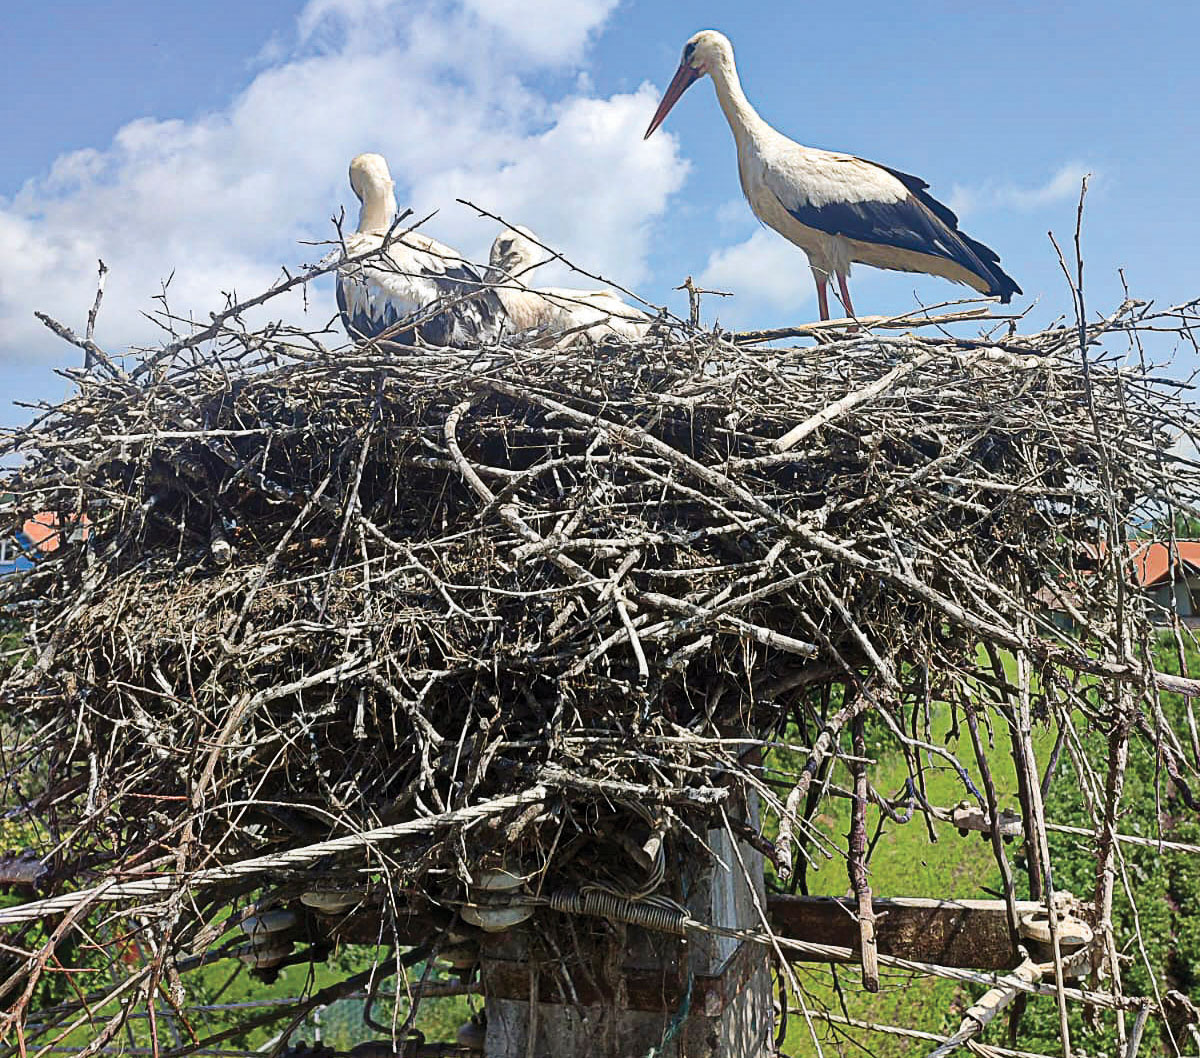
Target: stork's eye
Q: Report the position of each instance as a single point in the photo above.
(688, 52)
(506, 246)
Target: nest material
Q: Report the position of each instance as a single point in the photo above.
(324, 593)
(366, 583)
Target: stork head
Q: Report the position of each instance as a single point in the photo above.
(372, 183)
(701, 55)
(516, 250)
(369, 174)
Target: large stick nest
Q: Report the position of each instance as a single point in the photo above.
(377, 580)
(323, 592)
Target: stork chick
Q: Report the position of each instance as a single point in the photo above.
(578, 315)
(837, 208)
(416, 278)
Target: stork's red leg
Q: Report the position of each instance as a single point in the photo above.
(822, 282)
(847, 304)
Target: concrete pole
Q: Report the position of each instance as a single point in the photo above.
(647, 1010)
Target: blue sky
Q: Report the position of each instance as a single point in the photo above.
(209, 139)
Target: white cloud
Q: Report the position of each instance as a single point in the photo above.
(1063, 185)
(549, 30)
(733, 218)
(765, 273)
(444, 92)
(584, 185)
(1185, 448)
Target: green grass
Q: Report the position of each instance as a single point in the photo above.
(1165, 886)
(339, 1025)
(906, 862)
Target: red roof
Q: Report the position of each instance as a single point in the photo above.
(1151, 560)
(44, 533)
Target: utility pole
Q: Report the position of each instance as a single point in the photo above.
(706, 996)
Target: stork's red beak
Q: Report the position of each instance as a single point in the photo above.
(684, 76)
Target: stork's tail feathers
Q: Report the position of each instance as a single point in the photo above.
(1003, 286)
(979, 258)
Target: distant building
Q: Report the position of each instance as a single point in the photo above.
(39, 535)
(1172, 584)
(45, 533)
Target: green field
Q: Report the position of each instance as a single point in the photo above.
(905, 862)
(1157, 931)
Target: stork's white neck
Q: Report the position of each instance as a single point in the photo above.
(742, 117)
(378, 208)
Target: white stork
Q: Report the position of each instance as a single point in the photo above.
(416, 277)
(587, 315)
(837, 208)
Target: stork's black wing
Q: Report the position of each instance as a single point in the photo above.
(870, 203)
(409, 292)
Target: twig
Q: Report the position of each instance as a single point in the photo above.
(857, 865)
(90, 331)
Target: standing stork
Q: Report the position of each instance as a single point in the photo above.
(837, 208)
(587, 315)
(415, 279)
